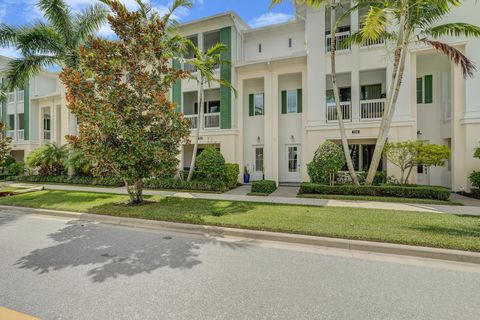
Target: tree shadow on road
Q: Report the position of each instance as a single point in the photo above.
(112, 251)
(6, 218)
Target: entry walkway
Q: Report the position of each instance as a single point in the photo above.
(460, 210)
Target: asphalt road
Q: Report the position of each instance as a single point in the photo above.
(54, 268)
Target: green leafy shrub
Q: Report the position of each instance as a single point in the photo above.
(178, 184)
(264, 186)
(476, 193)
(475, 179)
(100, 181)
(328, 160)
(232, 171)
(211, 163)
(15, 169)
(400, 191)
(49, 159)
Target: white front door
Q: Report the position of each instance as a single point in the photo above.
(257, 170)
(423, 175)
(293, 163)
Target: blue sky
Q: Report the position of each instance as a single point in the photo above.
(254, 12)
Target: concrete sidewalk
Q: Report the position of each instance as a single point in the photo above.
(459, 210)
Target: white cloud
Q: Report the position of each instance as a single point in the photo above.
(9, 52)
(269, 18)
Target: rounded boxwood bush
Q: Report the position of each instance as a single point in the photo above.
(232, 171)
(475, 179)
(328, 159)
(211, 163)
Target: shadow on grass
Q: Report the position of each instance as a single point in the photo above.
(450, 231)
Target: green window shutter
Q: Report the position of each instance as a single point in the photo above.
(26, 112)
(226, 74)
(250, 105)
(299, 100)
(429, 89)
(177, 88)
(284, 102)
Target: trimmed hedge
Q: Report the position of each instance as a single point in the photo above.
(194, 185)
(264, 186)
(106, 181)
(232, 171)
(420, 192)
(476, 193)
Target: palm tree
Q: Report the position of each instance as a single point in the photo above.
(205, 63)
(51, 43)
(332, 6)
(414, 22)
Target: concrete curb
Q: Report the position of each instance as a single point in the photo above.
(213, 231)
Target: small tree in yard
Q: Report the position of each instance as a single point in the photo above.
(5, 146)
(410, 154)
(475, 176)
(119, 92)
(327, 161)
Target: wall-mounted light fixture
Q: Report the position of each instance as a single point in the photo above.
(292, 137)
(258, 139)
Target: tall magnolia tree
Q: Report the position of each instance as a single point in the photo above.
(409, 23)
(332, 6)
(119, 92)
(53, 42)
(205, 63)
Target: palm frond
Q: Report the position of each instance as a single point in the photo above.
(8, 35)
(20, 70)
(144, 7)
(455, 29)
(216, 50)
(39, 38)
(59, 15)
(176, 5)
(375, 23)
(467, 65)
(89, 21)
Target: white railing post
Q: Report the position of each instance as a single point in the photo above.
(341, 36)
(346, 111)
(372, 109)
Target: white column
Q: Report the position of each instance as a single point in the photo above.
(267, 125)
(315, 39)
(459, 172)
(201, 120)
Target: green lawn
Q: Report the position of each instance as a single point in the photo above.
(379, 199)
(426, 229)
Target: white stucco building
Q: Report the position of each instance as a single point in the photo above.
(283, 109)
(35, 114)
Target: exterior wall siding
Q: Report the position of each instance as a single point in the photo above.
(226, 74)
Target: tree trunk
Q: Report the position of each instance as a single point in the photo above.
(135, 191)
(394, 89)
(408, 175)
(197, 133)
(341, 125)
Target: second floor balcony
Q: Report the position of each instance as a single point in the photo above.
(210, 121)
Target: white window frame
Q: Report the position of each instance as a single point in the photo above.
(289, 93)
(255, 167)
(262, 97)
(11, 97)
(20, 95)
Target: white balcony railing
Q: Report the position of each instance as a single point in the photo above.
(212, 120)
(372, 109)
(346, 111)
(193, 120)
(341, 36)
(21, 134)
(11, 134)
(373, 43)
(46, 134)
